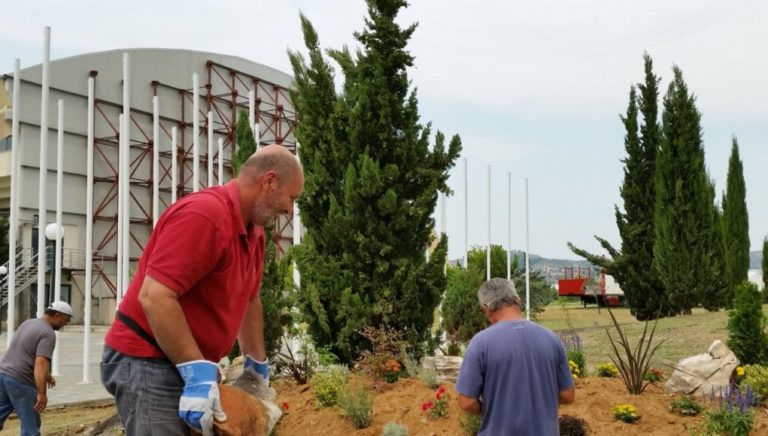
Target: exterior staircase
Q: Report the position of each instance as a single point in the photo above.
(26, 273)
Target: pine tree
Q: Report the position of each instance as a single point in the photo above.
(632, 267)
(735, 225)
(371, 185)
(688, 240)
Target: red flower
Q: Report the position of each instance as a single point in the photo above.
(426, 406)
(285, 406)
(439, 395)
(440, 389)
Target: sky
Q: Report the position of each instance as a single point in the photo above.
(534, 88)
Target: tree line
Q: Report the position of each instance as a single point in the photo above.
(679, 248)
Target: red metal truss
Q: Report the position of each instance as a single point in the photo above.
(225, 92)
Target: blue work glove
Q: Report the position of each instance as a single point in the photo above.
(258, 367)
(200, 402)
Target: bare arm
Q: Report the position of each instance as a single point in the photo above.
(169, 326)
(568, 396)
(252, 331)
(41, 380)
(470, 405)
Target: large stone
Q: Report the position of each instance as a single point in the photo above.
(447, 367)
(700, 374)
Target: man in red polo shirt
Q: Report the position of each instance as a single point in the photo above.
(195, 291)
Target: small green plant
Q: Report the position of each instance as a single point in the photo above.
(654, 375)
(633, 362)
(326, 357)
(756, 377)
(394, 429)
(428, 376)
(572, 426)
(577, 356)
(438, 407)
(357, 407)
(607, 370)
(329, 384)
(625, 412)
(686, 406)
(470, 424)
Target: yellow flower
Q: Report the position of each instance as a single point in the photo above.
(740, 371)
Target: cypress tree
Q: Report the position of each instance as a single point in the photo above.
(371, 185)
(688, 240)
(735, 225)
(632, 267)
(246, 143)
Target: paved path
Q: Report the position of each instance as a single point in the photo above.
(69, 382)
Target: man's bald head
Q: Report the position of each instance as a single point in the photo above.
(271, 158)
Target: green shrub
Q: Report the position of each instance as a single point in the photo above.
(577, 356)
(357, 407)
(572, 426)
(726, 421)
(395, 429)
(756, 377)
(607, 370)
(686, 406)
(746, 324)
(328, 385)
(470, 424)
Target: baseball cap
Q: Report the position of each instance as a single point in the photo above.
(62, 307)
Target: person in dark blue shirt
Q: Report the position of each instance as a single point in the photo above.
(515, 373)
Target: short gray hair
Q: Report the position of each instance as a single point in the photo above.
(496, 293)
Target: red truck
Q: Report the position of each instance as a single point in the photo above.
(590, 286)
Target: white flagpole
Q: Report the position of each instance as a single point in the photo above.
(210, 149)
(221, 161)
(509, 226)
(42, 208)
(527, 259)
(195, 134)
(14, 224)
(155, 160)
(59, 228)
(174, 164)
(126, 172)
(88, 237)
(120, 213)
(488, 250)
(466, 215)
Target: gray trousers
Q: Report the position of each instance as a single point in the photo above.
(146, 391)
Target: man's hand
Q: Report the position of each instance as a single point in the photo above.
(200, 403)
(42, 401)
(51, 382)
(259, 367)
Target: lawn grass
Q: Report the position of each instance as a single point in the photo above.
(683, 336)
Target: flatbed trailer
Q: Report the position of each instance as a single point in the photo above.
(601, 290)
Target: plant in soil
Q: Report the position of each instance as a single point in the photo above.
(756, 377)
(607, 370)
(438, 407)
(470, 424)
(328, 385)
(633, 362)
(394, 429)
(572, 426)
(654, 375)
(357, 406)
(625, 412)
(686, 406)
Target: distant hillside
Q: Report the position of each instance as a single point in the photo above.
(755, 259)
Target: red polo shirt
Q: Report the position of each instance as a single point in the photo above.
(202, 250)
